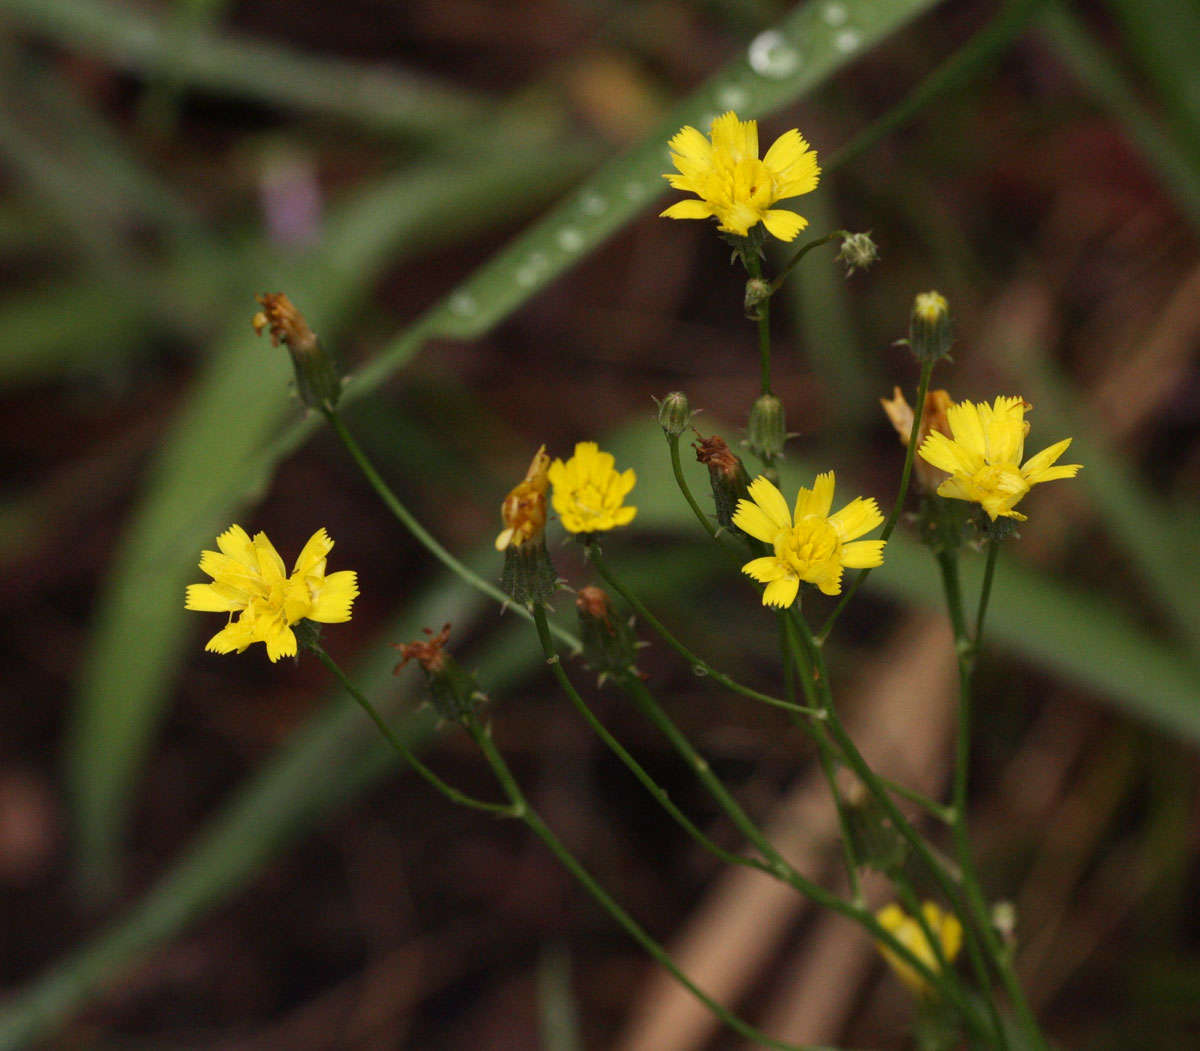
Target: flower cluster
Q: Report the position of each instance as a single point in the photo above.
(248, 579)
(810, 545)
(733, 185)
(983, 456)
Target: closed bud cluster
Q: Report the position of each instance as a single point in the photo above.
(609, 647)
(453, 692)
(674, 414)
(727, 474)
(318, 373)
(930, 332)
(767, 430)
(858, 252)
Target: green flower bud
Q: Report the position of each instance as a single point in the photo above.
(529, 576)
(858, 252)
(758, 292)
(609, 647)
(453, 692)
(318, 373)
(727, 475)
(674, 415)
(767, 430)
(929, 332)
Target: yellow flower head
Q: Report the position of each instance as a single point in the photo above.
(983, 458)
(946, 929)
(589, 492)
(733, 185)
(812, 545)
(524, 509)
(248, 579)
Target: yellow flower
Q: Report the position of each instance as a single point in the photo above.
(248, 579)
(589, 492)
(908, 932)
(812, 545)
(734, 185)
(983, 458)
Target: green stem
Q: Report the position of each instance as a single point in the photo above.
(697, 662)
(754, 269)
(522, 809)
(647, 781)
(705, 523)
(449, 791)
(421, 534)
(775, 285)
(812, 667)
(825, 751)
(968, 650)
(894, 516)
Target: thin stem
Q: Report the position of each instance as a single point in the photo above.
(677, 467)
(421, 534)
(813, 667)
(696, 661)
(449, 791)
(763, 317)
(647, 781)
(944, 814)
(523, 810)
(826, 753)
(775, 285)
(968, 650)
(894, 516)
(985, 592)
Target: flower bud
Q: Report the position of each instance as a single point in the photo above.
(767, 430)
(318, 373)
(609, 647)
(453, 692)
(674, 415)
(858, 252)
(727, 475)
(758, 292)
(929, 330)
(876, 842)
(528, 576)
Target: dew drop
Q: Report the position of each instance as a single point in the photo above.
(835, 14)
(570, 239)
(848, 40)
(592, 203)
(463, 303)
(770, 55)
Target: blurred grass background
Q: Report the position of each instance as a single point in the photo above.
(462, 196)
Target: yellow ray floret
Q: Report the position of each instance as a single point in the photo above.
(983, 458)
(946, 929)
(589, 492)
(810, 544)
(736, 187)
(249, 579)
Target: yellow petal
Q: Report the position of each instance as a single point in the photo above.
(818, 500)
(206, 598)
(766, 569)
(771, 502)
(783, 224)
(312, 557)
(859, 516)
(689, 209)
(863, 554)
(236, 543)
(331, 604)
(948, 455)
(781, 593)
(967, 428)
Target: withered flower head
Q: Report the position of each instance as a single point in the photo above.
(429, 653)
(727, 475)
(900, 413)
(524, 509)
(284, 322)
(318, 372)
